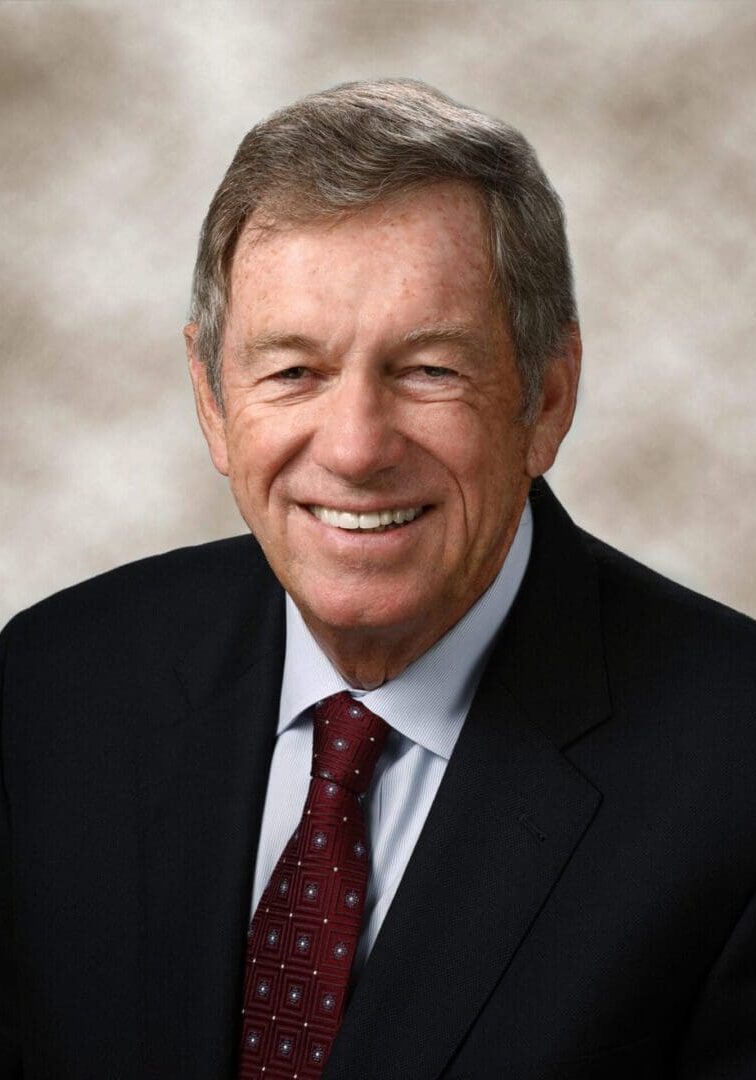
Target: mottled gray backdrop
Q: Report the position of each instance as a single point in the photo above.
(117, 124)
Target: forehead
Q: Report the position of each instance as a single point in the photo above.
(430, 245)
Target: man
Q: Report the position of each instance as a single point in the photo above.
(547, 853)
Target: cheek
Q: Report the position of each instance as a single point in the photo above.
(488, 465)
(258, 449)
(474, 454)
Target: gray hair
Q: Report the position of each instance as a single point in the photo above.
(346, 148)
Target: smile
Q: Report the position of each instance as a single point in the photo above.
(373, 521)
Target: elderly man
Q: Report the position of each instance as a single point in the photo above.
(421, 782)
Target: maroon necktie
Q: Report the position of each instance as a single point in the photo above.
(305, 931)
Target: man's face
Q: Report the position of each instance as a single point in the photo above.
(369, 381)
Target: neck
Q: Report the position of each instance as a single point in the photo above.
(367, 658)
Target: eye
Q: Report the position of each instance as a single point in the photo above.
(432, 382)
(291, 374)
(434, 372)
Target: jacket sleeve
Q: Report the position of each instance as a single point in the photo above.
(10, 1046)
(720, 1038)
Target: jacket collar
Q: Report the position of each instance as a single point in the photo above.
(551, 652)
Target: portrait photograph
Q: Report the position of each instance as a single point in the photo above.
(379, 506)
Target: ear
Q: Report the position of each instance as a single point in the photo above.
(208, 411)
(557, 405)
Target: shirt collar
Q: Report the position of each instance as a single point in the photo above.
(429, 701)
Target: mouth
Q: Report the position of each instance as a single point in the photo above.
(373, 521)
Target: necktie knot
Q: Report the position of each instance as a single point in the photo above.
(347, 741)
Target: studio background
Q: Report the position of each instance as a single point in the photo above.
(118, 123)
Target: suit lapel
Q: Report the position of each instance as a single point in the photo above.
(204, 780)
(508, 815)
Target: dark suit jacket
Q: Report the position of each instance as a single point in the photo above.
(579, 904)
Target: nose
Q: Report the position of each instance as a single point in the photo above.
(357, 439)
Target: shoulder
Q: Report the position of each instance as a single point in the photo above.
(664, 605)
(668, 636)
(147, 604)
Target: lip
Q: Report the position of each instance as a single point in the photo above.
(368, 508)
(352, 539)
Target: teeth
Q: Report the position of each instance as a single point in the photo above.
(376, 519)
(370, 521)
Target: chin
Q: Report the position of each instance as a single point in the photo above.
(361, 614)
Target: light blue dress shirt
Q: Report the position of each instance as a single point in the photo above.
(425, 706)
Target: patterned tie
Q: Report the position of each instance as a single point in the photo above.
(305, 931)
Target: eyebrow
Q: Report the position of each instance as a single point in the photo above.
(276, 342)
(437, 333)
